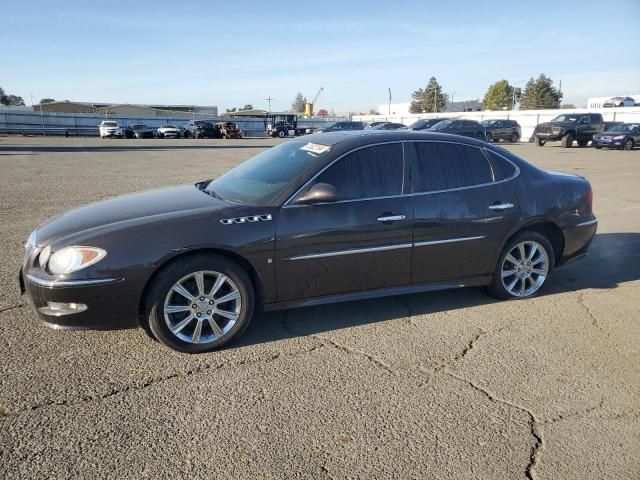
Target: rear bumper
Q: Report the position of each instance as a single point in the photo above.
(577, 239)
(109, 303)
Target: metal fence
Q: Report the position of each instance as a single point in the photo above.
(47, 123)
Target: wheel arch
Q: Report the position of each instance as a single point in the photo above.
(235, 257)
(544, 227)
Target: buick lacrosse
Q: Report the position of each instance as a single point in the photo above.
(324, 218)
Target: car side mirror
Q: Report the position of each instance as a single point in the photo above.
(319, 193)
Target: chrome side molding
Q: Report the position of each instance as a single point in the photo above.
(447, 240)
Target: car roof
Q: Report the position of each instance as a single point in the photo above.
(357, 138)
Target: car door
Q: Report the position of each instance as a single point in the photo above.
(361, 241)
(462, 210)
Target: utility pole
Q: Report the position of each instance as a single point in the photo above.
(435, 100)
(268, 99)
(389, 101)
(452, 95)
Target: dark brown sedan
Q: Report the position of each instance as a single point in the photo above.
(325, 218)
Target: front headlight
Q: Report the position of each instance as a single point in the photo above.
(72, 259)
(618, 137)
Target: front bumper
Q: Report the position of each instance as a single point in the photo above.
(108, 303)
(549, 136)
(607, 142)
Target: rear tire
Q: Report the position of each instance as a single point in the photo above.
(567, 140)
(515, 138)
(533, 270)
(597, 147)
(282, 134)
(181, 329)
(540, 142)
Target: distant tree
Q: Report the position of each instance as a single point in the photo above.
(568, 105)
(429, 99)
(3, 97)
(47, 100)
(499, 96)
(373, 111)
(231, 110)
(15, 101)
(298, 103)
(540, 93)
(248, 106)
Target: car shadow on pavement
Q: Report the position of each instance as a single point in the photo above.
(118, 148)
(614, 258)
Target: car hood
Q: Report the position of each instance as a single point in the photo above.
(134, 207)
(612, 134)
(556, 124)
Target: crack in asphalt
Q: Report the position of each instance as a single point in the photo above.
(13, 307)
(409, 310)
(592, 316)
(535, 425)
(5, 412)
(576, 414)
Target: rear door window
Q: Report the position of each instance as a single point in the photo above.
(443, 166)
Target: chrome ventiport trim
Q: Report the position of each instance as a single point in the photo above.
(447, 240)
(352, 251)
(251, 218)
(44, 282)
(589, 222)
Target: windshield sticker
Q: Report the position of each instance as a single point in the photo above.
(315, 148)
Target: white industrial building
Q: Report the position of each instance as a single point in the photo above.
(401, 109)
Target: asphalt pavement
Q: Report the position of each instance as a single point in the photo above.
(443, 385)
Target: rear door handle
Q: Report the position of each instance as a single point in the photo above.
(501, 206)
(391, 218)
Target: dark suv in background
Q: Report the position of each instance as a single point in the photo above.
(466, 128)
(201, 129)
(425, 123)
(568, 128)
(502, 129)
(341, 126)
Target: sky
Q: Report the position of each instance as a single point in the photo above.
(234, 53)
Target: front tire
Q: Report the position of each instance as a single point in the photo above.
(200, 303)
(524, 267)
(489, 137)
(540, 142)
(515, 138)
(628, 144)
(567, 140)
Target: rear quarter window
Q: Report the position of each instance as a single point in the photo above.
(502, 168)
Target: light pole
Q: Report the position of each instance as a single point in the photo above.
(452, 95)
(268, 99)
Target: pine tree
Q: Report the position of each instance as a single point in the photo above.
(540, 94)
(429, 99)
(499, 96)
(298, 103)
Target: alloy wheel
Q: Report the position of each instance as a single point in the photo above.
(525, 269)
(202, 307)
(628, 145)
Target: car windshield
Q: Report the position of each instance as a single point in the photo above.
(168, 126)
(565, 118)
(259, 180)
(625, 127)
(109, 124)
(418, 124)
(441, 125)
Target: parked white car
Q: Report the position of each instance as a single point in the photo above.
(168, 131)
(620, 102)
(110, 128)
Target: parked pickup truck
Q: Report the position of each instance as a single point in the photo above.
(570, 127)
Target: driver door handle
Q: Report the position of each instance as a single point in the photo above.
(501, 206)
(391, 218)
